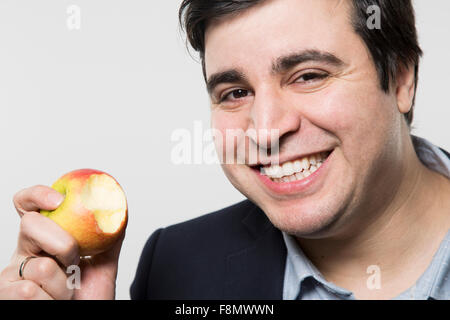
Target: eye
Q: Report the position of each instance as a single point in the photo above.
(311, 77)
(235, 95)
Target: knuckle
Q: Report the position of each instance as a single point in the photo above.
(46, 267)
(27, 289)
(68, 248)
(27, 222)
(16, 198)
(37, 191)
(27, 193)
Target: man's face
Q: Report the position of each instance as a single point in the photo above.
(297, 66)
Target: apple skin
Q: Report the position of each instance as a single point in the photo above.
(73, 216)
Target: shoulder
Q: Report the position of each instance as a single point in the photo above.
(219, 231)
(224, 220)
(194, 249)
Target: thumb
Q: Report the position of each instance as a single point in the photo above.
(36, 198)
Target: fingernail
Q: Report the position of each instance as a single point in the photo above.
(55, 198)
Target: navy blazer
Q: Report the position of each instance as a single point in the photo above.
(233, 253)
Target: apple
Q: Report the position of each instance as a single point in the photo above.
(94, 210)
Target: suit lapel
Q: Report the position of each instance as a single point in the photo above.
(257, 271)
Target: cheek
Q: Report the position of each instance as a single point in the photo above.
(360, 115)
(229, 127)
(222, 120)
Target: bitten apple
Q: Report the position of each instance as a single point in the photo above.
(94, 210)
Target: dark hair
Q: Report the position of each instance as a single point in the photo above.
(392, 46)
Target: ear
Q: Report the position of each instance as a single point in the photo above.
(405, 88)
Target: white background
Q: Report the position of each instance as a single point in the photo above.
(109, 96)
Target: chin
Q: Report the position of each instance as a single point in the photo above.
(302, 221)
(318, 216)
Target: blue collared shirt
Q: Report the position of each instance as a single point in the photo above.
(302, 280)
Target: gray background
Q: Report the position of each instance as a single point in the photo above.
(109, 96)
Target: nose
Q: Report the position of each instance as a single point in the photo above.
(272, 117)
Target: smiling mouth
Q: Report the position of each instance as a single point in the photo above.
(295, 170)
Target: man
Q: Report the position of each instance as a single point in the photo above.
(354, 192)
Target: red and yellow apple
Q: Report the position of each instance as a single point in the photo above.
(94, 210)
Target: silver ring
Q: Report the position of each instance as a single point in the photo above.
(22, 265)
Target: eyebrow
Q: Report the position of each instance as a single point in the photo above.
(228, 76)
(280, 65)
(283, 64)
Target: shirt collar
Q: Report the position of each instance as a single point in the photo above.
(435, 159)
(299, 267)
(439, 287)
(431, 156)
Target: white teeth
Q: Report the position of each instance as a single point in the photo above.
(297, 166)
(294, 170)
(288, 169)
(278, 172)
(274, 171)
(299, 176)
(305, 163)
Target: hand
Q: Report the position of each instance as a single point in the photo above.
(45, 277)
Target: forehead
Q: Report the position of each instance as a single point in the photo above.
(273, 28)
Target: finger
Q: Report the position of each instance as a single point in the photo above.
(23, 290)
(49, 276)
(35, 198)
(39, 233)
(112, 255)
(43, 271)
(109, 260)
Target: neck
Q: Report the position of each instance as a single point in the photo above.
(406, 231)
